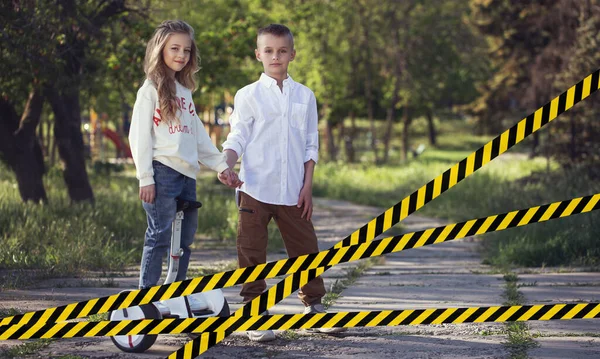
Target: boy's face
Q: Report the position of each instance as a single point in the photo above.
(275, 53)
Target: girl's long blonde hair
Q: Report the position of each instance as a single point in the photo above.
(156, 69)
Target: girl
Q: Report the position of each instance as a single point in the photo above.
(167, 143)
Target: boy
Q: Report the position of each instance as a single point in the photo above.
(274, 125)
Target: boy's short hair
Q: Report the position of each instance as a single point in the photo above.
(275, 30)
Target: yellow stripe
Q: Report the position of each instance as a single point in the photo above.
(338, 257)
(403, 241)
(587, 87)
(294, 268)
(129, 299)
(554, 109)
(371, 230)
(534, 309)
(570, 98)
(453, 175)
(248, 323)
(592, 203)
(269, 323)
(403, 315)
(277, 267)
(571, 207)
(148, 297)
(509, 217)
(379, 249)
(313, 321)
(487, 153)
(421, 197)
(375, 321)
(426, 313)
(27, 334)
(445, 233)
(354, 239)
(537, 119)
(488, 313)
(109, 302)
(86, 310)
(470, 164)
(27, 318)
(290, 322)
(354, 321)
(508, 313)
(205, 324)
(404, 208)
(593, 313)
(52, 331)
(98, 327)
(486, 225)
(437, 186)
(184, 324)
(123, 324)
(442, 317)
(259, 268)
(521, 130)
(550, 314)
(573, 312)
(75, 330)
(215, 279)
(465, 230)
(10, 331)
(503, 142)
(359, 251)
(549, 212)
(465, 315)
(527, 217)
(161, 326)
(424, 238)
(387, 219)
(65, 314)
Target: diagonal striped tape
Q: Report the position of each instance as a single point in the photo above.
(389, 245)
(321, 320)
(453, 175)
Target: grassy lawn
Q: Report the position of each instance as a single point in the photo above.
(512, 181)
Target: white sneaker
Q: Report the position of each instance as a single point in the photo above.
(197, 303)
(261, 335)
(318, 308)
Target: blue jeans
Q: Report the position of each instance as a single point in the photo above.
(169, 185)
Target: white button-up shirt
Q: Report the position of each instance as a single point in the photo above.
(275, 133)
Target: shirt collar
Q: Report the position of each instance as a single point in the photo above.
(268, 81)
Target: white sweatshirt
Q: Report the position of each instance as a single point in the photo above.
(181, 146)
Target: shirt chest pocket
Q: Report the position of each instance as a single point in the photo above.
(298, 119)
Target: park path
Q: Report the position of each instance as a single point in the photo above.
(443, 275)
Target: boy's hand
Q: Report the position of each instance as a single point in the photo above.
(305, 200)
(147, 193)
(230, 179)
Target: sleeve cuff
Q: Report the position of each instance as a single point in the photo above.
(311, 155)
(222, 167)
(234, 147)
(146, 181)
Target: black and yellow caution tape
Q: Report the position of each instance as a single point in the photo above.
(386, 220)
(448, 179)
(390, 318)
(322, 260)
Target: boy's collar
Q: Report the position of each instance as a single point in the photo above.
(269, 81)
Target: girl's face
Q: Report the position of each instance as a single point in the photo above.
(176, 52)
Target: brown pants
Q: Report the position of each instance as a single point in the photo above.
(298, 236)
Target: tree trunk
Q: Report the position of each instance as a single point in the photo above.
(406, 119)
(369, 86)
(21, 147)
(67, 133)
(431, 126)
(331, 150)
(349, 140)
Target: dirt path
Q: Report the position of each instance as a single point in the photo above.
(443, 275)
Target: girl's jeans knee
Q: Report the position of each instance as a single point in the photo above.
(169, 185)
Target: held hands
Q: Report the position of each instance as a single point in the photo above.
(305, 200)
(147, 193)
(230, 179)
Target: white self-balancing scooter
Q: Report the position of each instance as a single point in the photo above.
(206, 304)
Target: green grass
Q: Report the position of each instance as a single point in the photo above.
(510, 182)
(27, 348)
(59, 238)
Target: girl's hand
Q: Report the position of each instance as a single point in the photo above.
(148, 193)
(230, 178)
